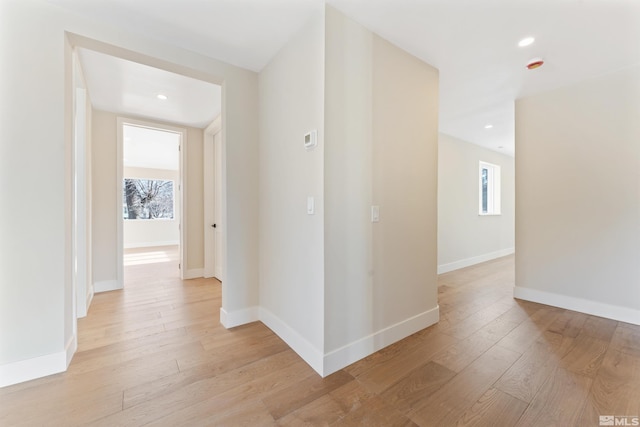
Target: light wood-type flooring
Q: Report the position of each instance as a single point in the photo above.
(155, 354)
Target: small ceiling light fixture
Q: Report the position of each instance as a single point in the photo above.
(162, 96)
(489, 126)
(535, 63)
(527, 41)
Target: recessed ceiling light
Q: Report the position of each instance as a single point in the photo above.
(488, 126)
(161, 96)
(526, 41)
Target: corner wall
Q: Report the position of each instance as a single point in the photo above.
(381, 137)
(291, 240)
(464, 237)
(333, 285)
(578, 204)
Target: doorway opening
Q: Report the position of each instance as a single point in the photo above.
(123, 88)
(151, 187)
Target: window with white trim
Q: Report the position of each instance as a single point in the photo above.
(489, 189)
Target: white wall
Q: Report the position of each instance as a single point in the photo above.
(105, 213)
(159, 232)
(464, 237)
(32, 234)
(578, 204)
(36, 297)
(381, 139)
(291, 241)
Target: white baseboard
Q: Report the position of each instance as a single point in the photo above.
(30, 369)
(344, 356)
(38, 367)
(335, 360)
(90, 297)
(193, 273)
(106, 286)
(300, 345)
(445, 268)
(595, 308)
(70, 349)
(239, 317)
(151, 244)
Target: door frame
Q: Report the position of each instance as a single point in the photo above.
(73, 41)
(81, 202)
(181, 188)
(81, 221)
(213, 199)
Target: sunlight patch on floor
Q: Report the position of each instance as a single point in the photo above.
(140, 256)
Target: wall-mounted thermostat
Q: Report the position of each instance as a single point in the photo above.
(311, 140)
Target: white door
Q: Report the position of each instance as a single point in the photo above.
(213, 205)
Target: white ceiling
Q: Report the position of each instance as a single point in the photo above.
(126, 87)
(150, 148)
(472, 42)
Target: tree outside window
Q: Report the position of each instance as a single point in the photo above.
(147, 199)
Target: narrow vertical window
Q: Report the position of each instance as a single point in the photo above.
(485, 193)
(489, 189)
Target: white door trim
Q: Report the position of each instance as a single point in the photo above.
(80, 209)
(81, 246)
(208, 199)
(212, 199)
(218, 204)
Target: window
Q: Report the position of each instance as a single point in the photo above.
(489, 180)
(147, 199)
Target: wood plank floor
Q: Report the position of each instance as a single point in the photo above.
(155, 354)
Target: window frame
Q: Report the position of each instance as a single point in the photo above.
(493, 189)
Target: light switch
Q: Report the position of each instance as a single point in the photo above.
(375, 213)
(310, 205)
(311, 140)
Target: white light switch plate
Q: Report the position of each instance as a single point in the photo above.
(375, 213)
(311, 140)
(310, 205)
